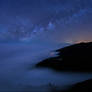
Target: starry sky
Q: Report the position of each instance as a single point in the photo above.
(54, 20)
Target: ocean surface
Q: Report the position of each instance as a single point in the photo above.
(19, 74)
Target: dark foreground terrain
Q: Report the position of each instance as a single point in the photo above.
(85, 86)
(74, 58)
(77, 57)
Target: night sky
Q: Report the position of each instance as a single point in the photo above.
(53, 20)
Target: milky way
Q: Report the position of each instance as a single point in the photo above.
(57, 20)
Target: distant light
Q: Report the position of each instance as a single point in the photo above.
(52, 53)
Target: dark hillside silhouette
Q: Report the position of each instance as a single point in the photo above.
(77, 57)
(85, 86)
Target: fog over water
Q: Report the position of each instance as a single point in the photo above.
(18, 71)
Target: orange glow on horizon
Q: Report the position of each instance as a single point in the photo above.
(83, 41)
(78, 41)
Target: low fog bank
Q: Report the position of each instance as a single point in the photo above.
(17, 71)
